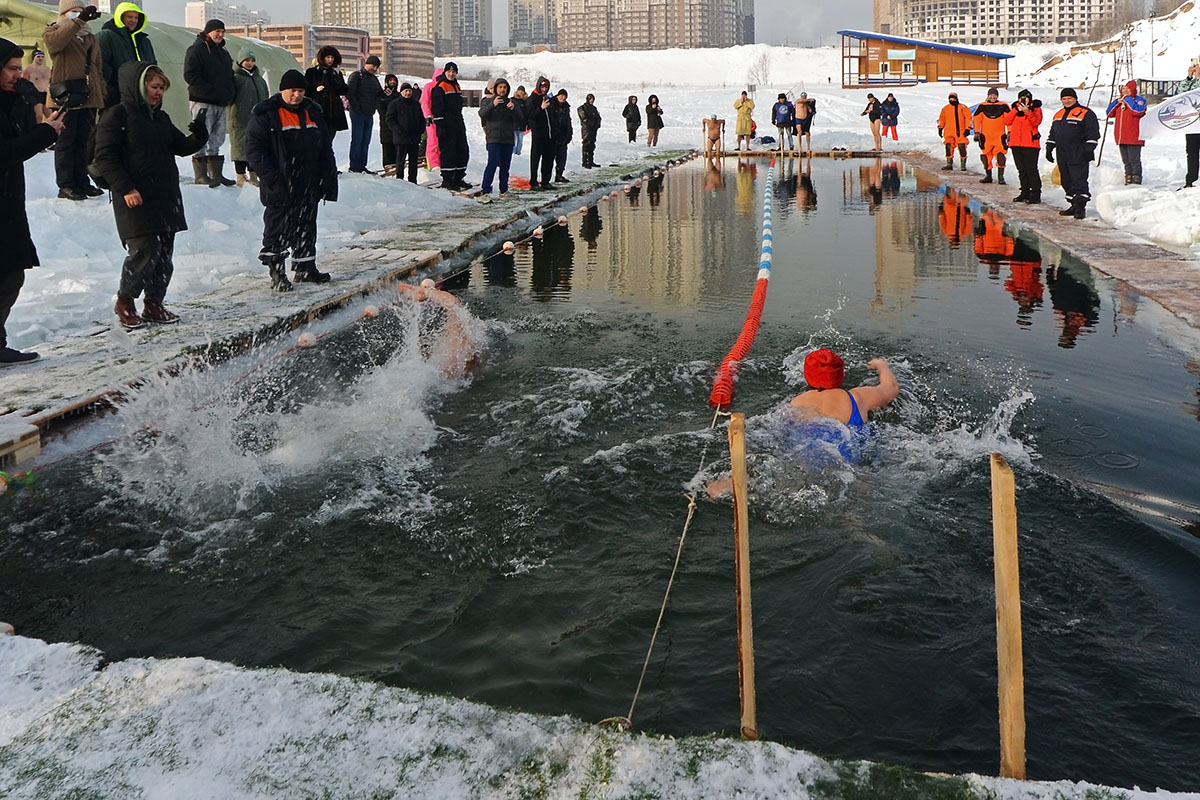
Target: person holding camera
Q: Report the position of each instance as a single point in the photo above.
(1024, 142)
(21, 138)
(77, 85)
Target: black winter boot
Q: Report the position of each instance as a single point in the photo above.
(308, 273)
(1034, 198)
(216, 165)
(1000, 175)
(1022, 197)
(949, 165)
(1069, 211)
(200, 168)
(963, 163)
(1079, 209)
(279, 278)
(987, 176)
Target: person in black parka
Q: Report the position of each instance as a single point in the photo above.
(541, 148)
(290, 146)
(208, 71)
(589, 126)
(21, 138)
(633, 117)
(1074, 134)
(136, 146)
(123, 39)
(325, 86)
(391, 91)
(406, 122)
(562, 130)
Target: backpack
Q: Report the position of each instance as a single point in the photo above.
(90, 150)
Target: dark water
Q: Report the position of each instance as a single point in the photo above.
(509, 538)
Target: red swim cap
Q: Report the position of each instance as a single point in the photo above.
(824, 369)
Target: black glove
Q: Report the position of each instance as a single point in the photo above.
(1090, 151)
(88, 14)
(1050, 152)
(1004, 140)
(198, 127)
(939, 132)
(979, 139)
(1037, 103)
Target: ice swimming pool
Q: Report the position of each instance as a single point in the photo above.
(507, 538)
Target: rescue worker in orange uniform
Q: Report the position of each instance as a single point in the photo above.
(954, 126)
(991, 134)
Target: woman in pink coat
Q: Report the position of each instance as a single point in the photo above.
(433, 156)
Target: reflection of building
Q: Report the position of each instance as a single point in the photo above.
(198, 12)
(653, 24)
(992, 21)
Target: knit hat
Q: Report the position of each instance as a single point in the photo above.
(247, 56)
(1068, 92)
(374, 59)
(209, 27)
(450, 65)
(1131, 86)
(9, 51)
(562, 92)
(292, 79)
(66, 5)
(405, 85)
(954, 95)
(824, 369)
(1024, 93)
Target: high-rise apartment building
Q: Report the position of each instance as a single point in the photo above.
(532, 23)
(461, 27)
(198, 12)
(653, 24)
(992, 22)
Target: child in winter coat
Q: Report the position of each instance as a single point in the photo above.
(136, 146)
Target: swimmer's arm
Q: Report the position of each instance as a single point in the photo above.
(880, 395)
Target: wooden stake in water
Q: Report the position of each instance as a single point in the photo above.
(1011, 670)
(741, 536)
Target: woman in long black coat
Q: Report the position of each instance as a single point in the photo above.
(325, 85)
(406, 121)
(136, 146)
(391, 91)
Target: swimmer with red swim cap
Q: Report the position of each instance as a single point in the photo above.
(824, 371)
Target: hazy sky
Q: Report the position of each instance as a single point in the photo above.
(776, 21)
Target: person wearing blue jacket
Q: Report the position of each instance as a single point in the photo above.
(1128, 110)
(783, 117)
(889, 116)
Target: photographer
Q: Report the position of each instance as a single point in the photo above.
(1024, 142)
(77, 84)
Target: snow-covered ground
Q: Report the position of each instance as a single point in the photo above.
(82, 256)
(193, 728)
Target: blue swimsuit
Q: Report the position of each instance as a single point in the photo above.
(812, 438)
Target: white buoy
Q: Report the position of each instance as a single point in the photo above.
(637, 182)
(657, 172)
(7, 630)
(537, 231)
(429, 283)
(509, 247)
(626, 187)
(613, 193)
(371, 311)
(562, 219)
(306, 339)
(583, 209)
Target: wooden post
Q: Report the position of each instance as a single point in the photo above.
(741, 537)
(1010, 666)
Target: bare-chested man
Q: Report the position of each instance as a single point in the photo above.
(806, 109)
(38, 74)
(714, 132)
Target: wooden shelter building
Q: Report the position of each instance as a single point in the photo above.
(878, 59)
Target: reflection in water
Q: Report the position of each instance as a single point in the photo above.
(714, 177)
(552, 254)
(890, 179)
(1076, 304)
(870, 177)
(747, 171)
(1025, 281)
(654, 186)
(806, 192)
(955, 217)
(500, 269)
(992, 246)
(590, 227)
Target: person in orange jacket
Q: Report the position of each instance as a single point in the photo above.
(1025, 141)
(954, 126)
(991, 134)
(1129, 109)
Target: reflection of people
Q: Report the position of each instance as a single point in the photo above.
(955, 217)
(714, 131)
(992, 245)
(806, 192)
(1025, 282)
(590, 226)
(826, 400)
(1076, 304)
(747, 170)
(871, 178)
(890, 179)
(714, 179)
(451, 346)
(553, 261)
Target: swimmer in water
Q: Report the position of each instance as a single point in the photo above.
(824, 371)
(453, 345)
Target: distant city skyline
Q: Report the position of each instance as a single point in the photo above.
(776, 21)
